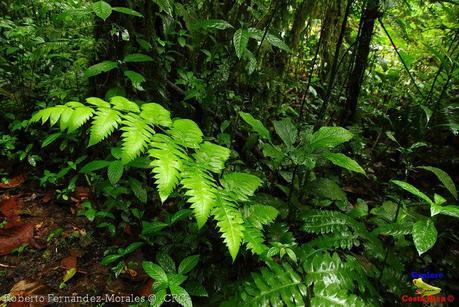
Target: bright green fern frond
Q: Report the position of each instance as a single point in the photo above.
(155, 114)
(78, 118)
(201, 189)
(254, 238)
(278, 285)
(260, 215)
(212, 156)
(104, 123)
(186, 133)
(167, 163)
(98, 102)
(124, 104)
(230, 222)
(136, 135)
(240, 186)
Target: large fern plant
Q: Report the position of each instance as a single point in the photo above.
(180, 159)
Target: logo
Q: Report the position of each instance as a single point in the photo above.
(425, 292)
(424, 288)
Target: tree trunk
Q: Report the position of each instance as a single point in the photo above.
(370, 14)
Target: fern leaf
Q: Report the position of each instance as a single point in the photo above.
(240, 185)
(278, 285)
(136, 135)
(186, 133)
(123, 104)
(230, 222)
(260, 215)
(333, 295)
(200, 189)
(167, 163)
(212, 156)
(155, 114)
(325, 221)
(345, 240)
(327, 269)
(104, 123)
(98, 102)
(78, 118)
(254, 238)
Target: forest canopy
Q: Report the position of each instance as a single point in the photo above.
(255, 153)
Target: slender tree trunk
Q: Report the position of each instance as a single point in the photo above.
(370, 14)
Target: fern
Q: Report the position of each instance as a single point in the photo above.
(333, 295)
(179, 157)
(325, 221)
(256, 217)
(277, 285)
(167, 163)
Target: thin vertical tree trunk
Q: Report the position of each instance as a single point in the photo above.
(370, 14)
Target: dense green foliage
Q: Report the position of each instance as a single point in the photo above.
(262, 153)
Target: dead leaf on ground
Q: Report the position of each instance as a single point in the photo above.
(80, 194)
(26, 288)
(146, 289)
(15, 237)
(10, 207)
(69, 262)
(13, 182)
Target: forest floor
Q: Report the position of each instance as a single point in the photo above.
(44, 241)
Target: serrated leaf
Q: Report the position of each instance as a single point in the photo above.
(102, 9)
(181, 296)
(156, 114)
(115, 171)
(256, 125)
(99, 68)
(186, 133)
(444, 178)
(213, 156)
(424, 235)
(155, 271)
(98, 102)
(104, 123)
(240, 185)
(137, 57)
(136, 135)
(124, 104)
(240, 41)
(343, 161)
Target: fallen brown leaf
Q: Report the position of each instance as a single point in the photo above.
(13, 182)
(26, 288)
(146, 289)
(69, 262)
(14, 237)
(10, 207)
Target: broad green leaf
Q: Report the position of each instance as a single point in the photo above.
(50, 139)
(344, 161)
(155, 271)
(444, 178)
(94, 166)
(256, 125)
(139, 191)
(115, 171)
(127, 11)
(166, 262)
(135, 78)
(181, 296)
(286, 130)
(413, 190)
(137, 57)
(99, 68)
(424, 235)
(277, 42)
(164, 6)
(188, 264)
(109, 259)
(218, 24)
(450, 210)
(102, 9)
(329, 137)
(240, 40)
